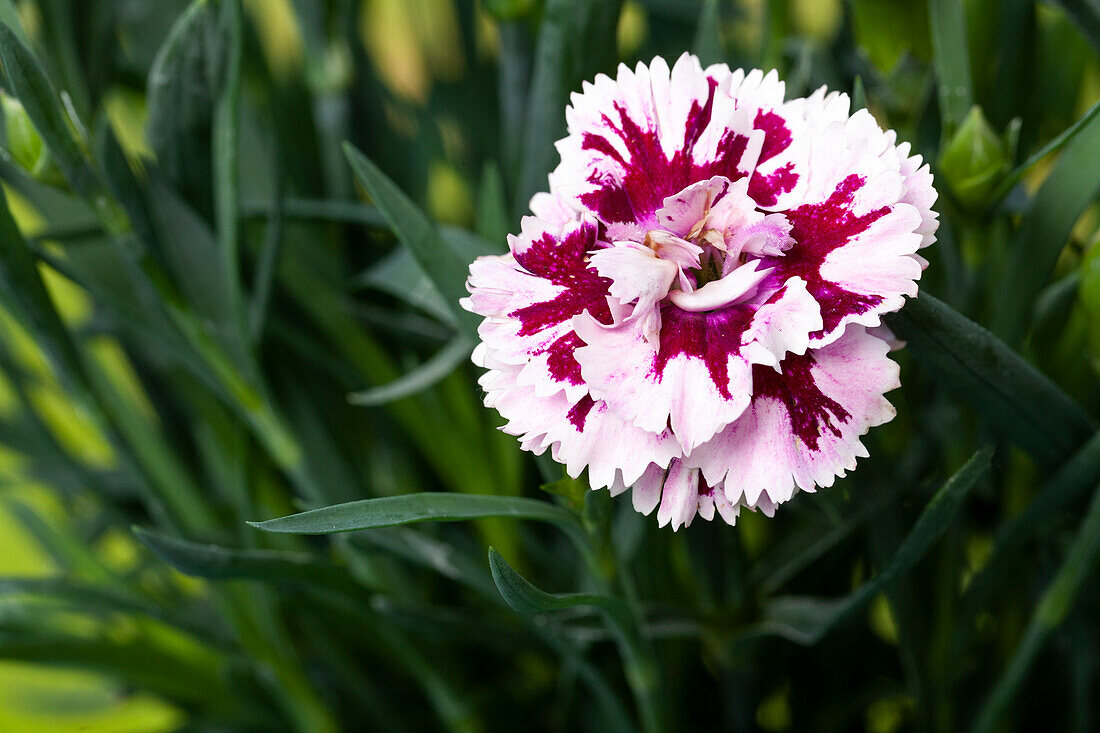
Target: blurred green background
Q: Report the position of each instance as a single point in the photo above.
(203, 315)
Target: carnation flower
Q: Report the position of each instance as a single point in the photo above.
(693, 311)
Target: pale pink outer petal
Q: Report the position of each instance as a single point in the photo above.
(680, 496)
(618, 365)
(646, 493)
(614, 452)
(761, 461)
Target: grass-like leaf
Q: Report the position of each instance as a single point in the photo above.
(445, 361)
(391, 511)
(952, 59)
(544, 121)
(29, 83)
(1057, 601)
(1011, 394)
(222, 563)
(1046, 227)
(640, 666)
(442, 266)
(807, 620)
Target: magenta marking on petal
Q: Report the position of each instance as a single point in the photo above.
(562, 262)
(766, 189)
(817, 230)
(561, 362)
(712, 337)
(648, 175)
(811, 411)
(777, 137)
(578, 413)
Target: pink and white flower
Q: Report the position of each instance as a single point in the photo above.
(694, 310)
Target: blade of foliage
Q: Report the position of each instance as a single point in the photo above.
(544, 121)
(265, 268)
(1087, 17)
(1070, 482)
(401, 276)
(442, 363)
(225, 150)
(1057, 601)
(106, 600)
(29, 83)
(442, 266)
(1046, 227)
(181, 104)
(492, 212)
(952, 59)
(1053, 146)
(807, 620)
(9, 16)
(1012, 395)
(390, 511)
(641, 671)
(708, 42)
(221, 563)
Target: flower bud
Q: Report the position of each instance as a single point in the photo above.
(975, 159)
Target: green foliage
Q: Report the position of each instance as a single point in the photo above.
(248, 483)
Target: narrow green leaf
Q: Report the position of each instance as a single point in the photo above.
(1011, 394)
(492, 213)
(225, 150)
(1046, 227)
(29, 83)
(807, 620)
(442, 266)
(9, 16)
(222, 563)
(445, 361)
(545, 119)
(859, 94)
(1070, 482)
(1053, 146)
(181, 105)
(1086, 15)
(266, 267)
(952, 59)
(390, 511)
(1058, 600)
(525, 598)
(640, 666)
(708, 42)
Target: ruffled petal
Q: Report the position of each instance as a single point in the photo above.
(646, 135)
(695, 381)
(530, 296)
(803, 427)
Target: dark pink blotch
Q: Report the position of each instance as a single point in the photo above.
(578, 413)
(817, 230)
(562, 262)
(765, 190)
(649, 176)
(710, 337)
(812, 412)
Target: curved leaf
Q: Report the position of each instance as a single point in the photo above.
(806, 620)
(391, 511)
(1012, 395)
(442, 363)
(442, 266)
